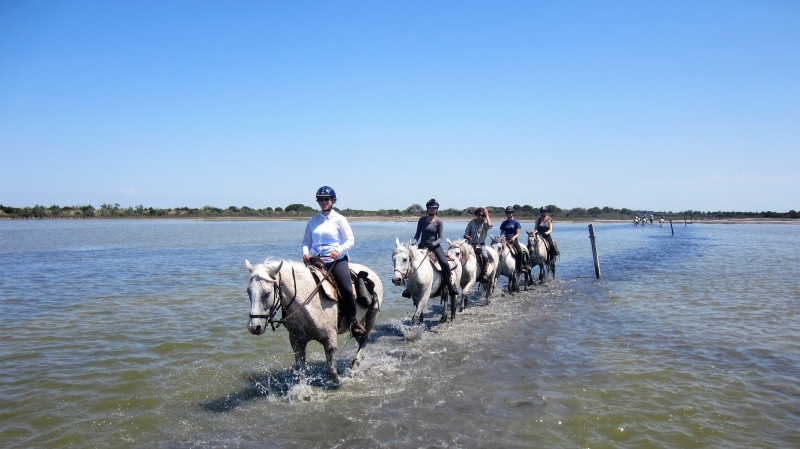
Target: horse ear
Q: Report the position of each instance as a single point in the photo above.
(530, 233)
(249, 265)
(449, 242)
(275, 270)
(396, 242)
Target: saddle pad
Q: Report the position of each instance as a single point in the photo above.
(450, 261)
(326, 288)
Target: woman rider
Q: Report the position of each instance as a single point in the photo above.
(329, 237)
(544, 227)
(475, 234)
(430, 233)
(510, 229)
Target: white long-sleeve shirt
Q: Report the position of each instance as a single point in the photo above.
(326, 234)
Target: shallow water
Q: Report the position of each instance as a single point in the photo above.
(133, 334)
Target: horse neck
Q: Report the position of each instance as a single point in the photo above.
(416, 260)
(291, 278)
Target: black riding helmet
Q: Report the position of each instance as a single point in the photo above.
(510, 209)
(432, 203)
(326, 192)
(544, 209)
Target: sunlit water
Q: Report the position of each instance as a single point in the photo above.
(133, 334)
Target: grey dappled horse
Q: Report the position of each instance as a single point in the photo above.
(538, 254)
(507, 263)
(413, 268)
(289, 287)
(471, 271)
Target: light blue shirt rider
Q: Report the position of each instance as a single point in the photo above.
(325, 234)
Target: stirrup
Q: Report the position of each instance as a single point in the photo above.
(356, 328)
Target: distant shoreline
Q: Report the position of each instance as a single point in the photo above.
(413, 219)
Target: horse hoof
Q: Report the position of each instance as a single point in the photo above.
(355, 365)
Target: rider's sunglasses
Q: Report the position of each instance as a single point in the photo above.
(323, 199)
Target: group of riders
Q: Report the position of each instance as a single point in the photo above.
(643, 219)
(328, 239)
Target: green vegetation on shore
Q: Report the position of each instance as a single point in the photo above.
(415, 210)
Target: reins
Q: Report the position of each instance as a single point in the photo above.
(277, 303)
(407, 273)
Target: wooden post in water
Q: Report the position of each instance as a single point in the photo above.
(684, 221)
(670, 227)
(594, 251)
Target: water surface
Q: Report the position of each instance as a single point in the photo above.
(133, 334)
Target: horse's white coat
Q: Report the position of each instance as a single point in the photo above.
(310, 316)
(471, 271)
(538, 253)
(507, 264)
(413, 267)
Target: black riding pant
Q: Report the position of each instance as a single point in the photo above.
(341, 274)
(439, 252)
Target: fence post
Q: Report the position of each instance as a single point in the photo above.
(594, 251)
(670, 227)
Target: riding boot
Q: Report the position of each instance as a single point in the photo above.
(356, 328)
(448, 281)
(406, 293)
(485, 276)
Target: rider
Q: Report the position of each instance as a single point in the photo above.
(329, 237)
(475, 234)
(510, 228)
(544, 227)
(430, 233)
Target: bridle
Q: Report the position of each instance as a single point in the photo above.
(277, 301)
(405, 274)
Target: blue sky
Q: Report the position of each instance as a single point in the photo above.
(645, 105)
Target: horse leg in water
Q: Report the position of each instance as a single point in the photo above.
(299, 349)
(369, 324)
(330, 357)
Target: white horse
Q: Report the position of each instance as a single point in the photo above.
(660, 222)
(413, 268)
(538, 254)
(290, 288)
(507, 263)
(636, 221)
(471, 271)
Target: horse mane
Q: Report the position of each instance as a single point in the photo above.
(268, 265)
(466, 249)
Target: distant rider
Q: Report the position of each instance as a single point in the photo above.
(544, 227)
(329, 237)
(475, 234)
(510, 229)
(430, 233)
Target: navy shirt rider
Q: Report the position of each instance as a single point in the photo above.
(509, 228)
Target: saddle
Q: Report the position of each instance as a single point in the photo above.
(513, 250)
(363, 287)
(479, 253)
(450, 261)
(550, 251)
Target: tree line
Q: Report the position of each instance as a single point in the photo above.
(415, 210)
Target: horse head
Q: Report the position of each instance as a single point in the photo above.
(401, 258)
(460, 250)
(533, 238)
(263, 291)
(500, 244)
